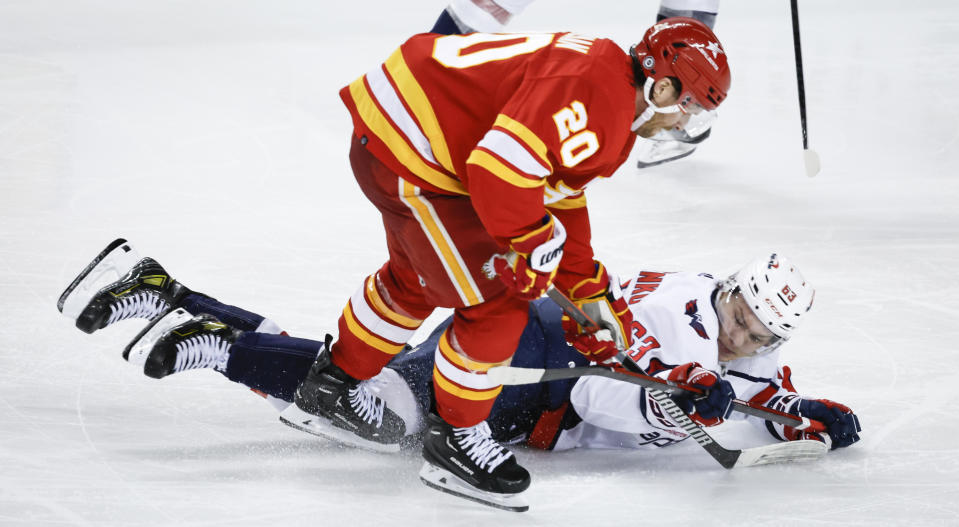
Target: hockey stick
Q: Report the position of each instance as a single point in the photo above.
(775, 453)
(810, 157)
(509, 375)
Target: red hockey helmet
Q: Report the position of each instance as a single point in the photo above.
(687, 49)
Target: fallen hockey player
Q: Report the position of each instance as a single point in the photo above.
(720, 335)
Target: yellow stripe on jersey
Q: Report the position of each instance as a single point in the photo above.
(502, 171)
(442, 243)
(577, 202)
(525, 135)
(373, 340)
(411, 92)
(381, 308)
(384, 130)
(463, 362)
(464, 393)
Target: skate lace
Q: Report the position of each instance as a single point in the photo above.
(366, 405)
(485, 451)
(145, 304)
(202, 351)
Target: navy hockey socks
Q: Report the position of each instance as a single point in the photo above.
(236, 317)
(272, 364)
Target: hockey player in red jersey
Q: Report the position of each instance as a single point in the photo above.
(471, 146)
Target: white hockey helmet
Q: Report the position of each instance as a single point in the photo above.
(776, 291)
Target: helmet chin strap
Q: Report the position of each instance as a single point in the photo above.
(651, 108)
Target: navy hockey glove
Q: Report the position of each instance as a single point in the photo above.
(710, 408)
(842, 425)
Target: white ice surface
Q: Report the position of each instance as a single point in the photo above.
(210, 133)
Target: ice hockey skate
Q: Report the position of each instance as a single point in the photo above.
(110, 265)
(179, 342)
(331, 404)
(138, 289)
(469, 463)
(653, 152)
(675, 144)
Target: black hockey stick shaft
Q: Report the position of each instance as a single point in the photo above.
(799, 73)
(727, 458)
(655, 383)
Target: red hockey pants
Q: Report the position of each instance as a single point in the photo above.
(437, 247)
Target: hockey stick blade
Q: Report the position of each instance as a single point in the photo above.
(788, 452)
(811, 161)
(810, 157)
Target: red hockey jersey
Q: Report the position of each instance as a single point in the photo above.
(519, 122)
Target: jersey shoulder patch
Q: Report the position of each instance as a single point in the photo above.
(696, 320)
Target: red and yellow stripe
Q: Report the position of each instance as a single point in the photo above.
(442, 243)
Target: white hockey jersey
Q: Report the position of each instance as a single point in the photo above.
(674, 323)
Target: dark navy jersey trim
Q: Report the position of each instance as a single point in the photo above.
(742, 375)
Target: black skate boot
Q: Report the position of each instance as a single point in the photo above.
(469, 463)
(145, 291)
(180, 341)
(331, 404)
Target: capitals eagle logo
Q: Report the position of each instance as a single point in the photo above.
(692, 311)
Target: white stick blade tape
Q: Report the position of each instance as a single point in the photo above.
(811, 159)
(787, 452)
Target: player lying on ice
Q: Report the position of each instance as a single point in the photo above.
(722, 335)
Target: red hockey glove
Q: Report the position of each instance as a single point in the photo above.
(842, 425)
(534, 257)
(601, 299)
(710, 408)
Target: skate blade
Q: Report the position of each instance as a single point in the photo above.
(787, 452)
(109, 266)
(444, 481)
(294, 417)
(660, 158)
(139, 349)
